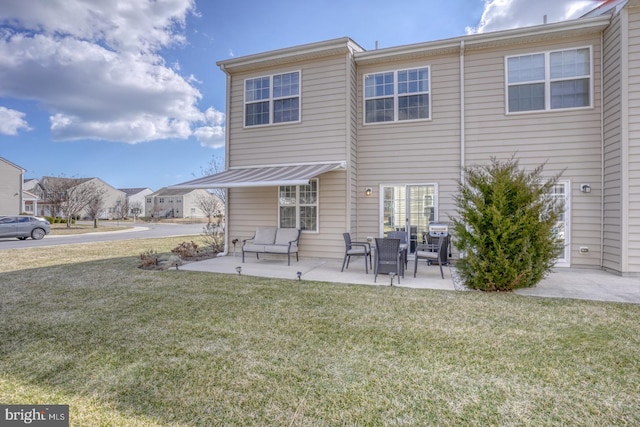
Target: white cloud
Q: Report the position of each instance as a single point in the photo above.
(212, 133)
(11, 121)
(95, 67)
(507, 14)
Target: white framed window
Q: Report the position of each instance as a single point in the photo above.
(399, 95)
(298, 206)
(272, 99)
(551, 80)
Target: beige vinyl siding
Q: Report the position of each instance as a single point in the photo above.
(10, 189)
(632, 257)
(568, 140)
(321, 134)
(416, 152)
(612, 149)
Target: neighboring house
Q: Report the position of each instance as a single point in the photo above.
(11, 178)
(175, 203)
(48, 186)
(136, 199)
(29, 197)
(330, 137)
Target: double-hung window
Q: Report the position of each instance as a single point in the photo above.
(549, 81)
(397, 95)
(298, 206)
(272, 99)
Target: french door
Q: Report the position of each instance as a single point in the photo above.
(409, 208)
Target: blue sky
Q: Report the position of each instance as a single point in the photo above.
(128, 90)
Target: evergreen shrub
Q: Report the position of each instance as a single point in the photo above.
(506, 226)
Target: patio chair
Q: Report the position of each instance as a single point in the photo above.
(388, 258)
(362, 249)
(428, 252)
(402, 235)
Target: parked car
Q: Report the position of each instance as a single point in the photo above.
(23, 226)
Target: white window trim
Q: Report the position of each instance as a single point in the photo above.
(271, 100)
(547, 82)
(297, 206)
(395, 97)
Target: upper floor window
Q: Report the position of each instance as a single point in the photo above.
(549, 81)
(272, 99)
(397, 95)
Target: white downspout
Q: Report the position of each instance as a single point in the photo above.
(226, 163)
(462, 117)
(602, 149)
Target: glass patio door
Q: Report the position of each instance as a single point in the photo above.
(561, 193)
(408, 208)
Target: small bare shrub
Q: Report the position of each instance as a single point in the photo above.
(186, 250)
(148, 258)
(213, 234)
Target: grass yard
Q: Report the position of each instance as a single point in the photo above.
(128, 347)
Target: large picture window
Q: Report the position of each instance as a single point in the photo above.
(549, 81)
(298, 206)
(272, 99)
(397, 95)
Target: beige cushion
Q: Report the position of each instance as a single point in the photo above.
(285, 235)
(427, 254)
(265, 236)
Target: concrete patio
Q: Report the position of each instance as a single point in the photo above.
(586, 284)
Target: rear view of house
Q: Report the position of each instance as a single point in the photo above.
(328, 137)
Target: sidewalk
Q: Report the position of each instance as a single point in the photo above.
(561, 283)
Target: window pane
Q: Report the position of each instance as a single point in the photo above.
(257, 114)
(287, 195)
(286, 110)
(413, 81)
(379, 110)
(288, 216)
(525, 68)
(413, 107)
(309, 193)
(570, 63)
(526, 97)
(285, 85)
(378, 85)
(308, 218)
(570, 94)
(257, 89)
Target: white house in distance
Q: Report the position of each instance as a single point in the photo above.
(136, 199)
(175, 203)
(111, 197)
(329, 137)
(11, 190)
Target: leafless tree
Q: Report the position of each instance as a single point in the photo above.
(95, 208)
(210, 204)
(215, 165)
(121, 208)
(68, 197)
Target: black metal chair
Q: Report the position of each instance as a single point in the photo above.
(402, 235)
(362, 249)
(427, 252)
(388, 258)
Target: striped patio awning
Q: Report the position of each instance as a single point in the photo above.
(263, 176)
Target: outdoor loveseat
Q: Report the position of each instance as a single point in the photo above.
(273, 240)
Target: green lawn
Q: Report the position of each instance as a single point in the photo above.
(129, 347)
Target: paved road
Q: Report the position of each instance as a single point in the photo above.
(141, 231)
